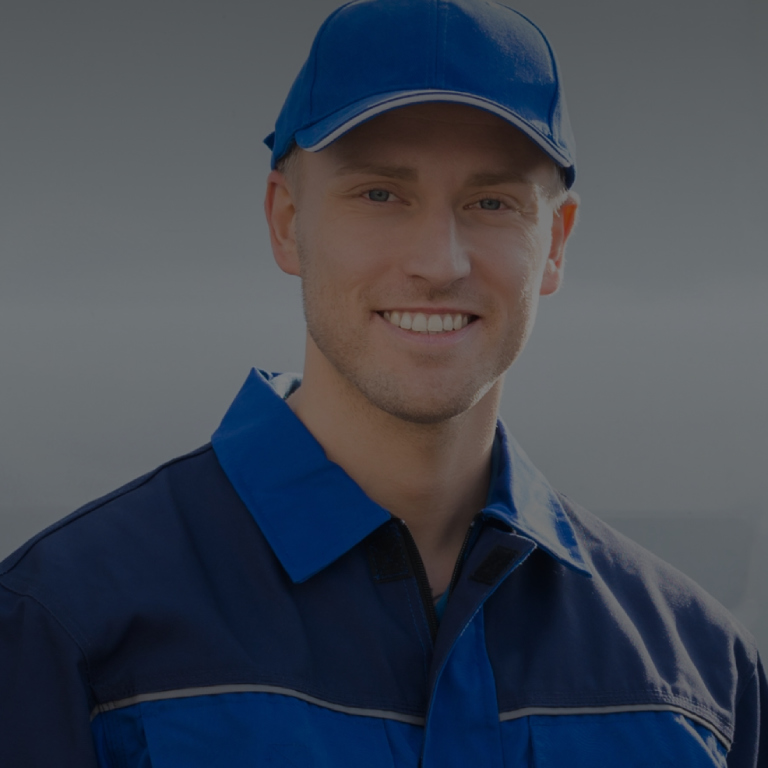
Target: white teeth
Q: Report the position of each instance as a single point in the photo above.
(423, 323)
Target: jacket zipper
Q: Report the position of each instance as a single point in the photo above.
(462, 552)
(417, 564)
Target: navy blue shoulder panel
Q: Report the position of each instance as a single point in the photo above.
(12, 560)
(169, 584)
(638, 633)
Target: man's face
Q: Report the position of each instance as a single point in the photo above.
(422, 214)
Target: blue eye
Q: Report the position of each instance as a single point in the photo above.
(378, 195)
(489, 204)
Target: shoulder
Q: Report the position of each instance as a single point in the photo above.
(630, 571)
(90, 525)
(680, 629)
(636, 634)
(642, 581)
(127, 547)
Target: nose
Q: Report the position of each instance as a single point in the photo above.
(436, 252)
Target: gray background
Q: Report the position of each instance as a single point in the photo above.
(137, 286)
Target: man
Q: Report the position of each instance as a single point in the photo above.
(363, 568)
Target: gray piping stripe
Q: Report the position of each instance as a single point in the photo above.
(419, 97)
(215, 690)
(528, 711)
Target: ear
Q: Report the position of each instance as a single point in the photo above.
(280, 210)
(563, 221)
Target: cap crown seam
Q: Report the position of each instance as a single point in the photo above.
(438, 60)
(557, 140)
(314, 54)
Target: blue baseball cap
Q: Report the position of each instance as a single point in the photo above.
(371, 56)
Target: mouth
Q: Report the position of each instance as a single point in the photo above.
(423, 322)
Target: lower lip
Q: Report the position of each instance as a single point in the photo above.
(443, 338)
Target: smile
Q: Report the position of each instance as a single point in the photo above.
(421, 322)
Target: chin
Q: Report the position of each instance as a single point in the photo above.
(418, 407)
(425, 415)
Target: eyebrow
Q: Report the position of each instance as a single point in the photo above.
(403, 172)
(494, 179)
(406, 173)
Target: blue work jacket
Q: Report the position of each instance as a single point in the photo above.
(249, 605)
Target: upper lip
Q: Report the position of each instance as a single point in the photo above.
(429, 310)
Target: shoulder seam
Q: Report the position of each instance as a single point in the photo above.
(96, 504)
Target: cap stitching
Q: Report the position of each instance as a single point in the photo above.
(436, 40)
(511, 117)
(556, 140)
(316, 46)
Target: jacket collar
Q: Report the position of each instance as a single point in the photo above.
(521, 497)
(311, 512)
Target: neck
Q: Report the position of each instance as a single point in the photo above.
(433, 476)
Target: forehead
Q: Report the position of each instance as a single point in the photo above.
(419, 131)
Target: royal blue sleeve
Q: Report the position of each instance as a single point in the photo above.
(750, 741)
(44, 703)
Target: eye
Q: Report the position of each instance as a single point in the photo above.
(379, 195)
(489, 204)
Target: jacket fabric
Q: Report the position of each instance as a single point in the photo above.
(249, 605)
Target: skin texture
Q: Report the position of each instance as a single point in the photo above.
(439, 208)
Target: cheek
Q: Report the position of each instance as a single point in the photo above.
(345, 252)
(516, 262)
(335, 272)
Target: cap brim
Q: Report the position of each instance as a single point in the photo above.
(326, 131)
